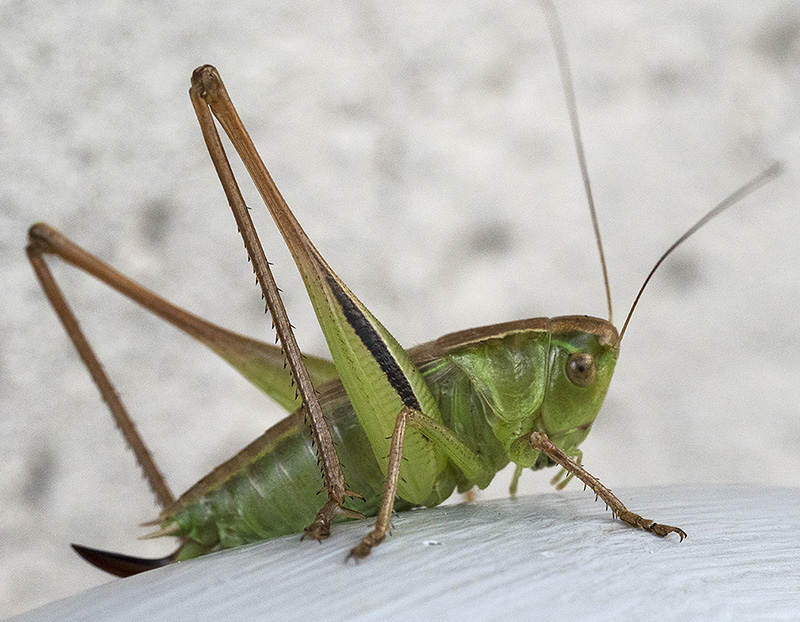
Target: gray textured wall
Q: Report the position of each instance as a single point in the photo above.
(428, 155)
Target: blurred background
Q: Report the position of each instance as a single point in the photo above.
(427, 152)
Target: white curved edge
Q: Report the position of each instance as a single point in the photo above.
(550, 556)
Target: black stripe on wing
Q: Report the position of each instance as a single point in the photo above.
(376, 346)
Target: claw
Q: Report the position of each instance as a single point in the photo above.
(320, 527)
(664, 530)
(318, 530)
(634, 520)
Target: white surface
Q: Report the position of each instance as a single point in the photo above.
(545, 557)
(428, 155)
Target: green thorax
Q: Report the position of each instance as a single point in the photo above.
(546, 375)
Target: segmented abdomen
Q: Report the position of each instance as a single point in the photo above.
(274, 486)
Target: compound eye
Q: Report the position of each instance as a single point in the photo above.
(581, 369)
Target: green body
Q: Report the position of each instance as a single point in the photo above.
(492, 386)
(397, 428)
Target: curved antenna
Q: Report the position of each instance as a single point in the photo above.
(748, 188)
(557, 36)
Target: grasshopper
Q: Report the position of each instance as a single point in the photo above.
(379, 428)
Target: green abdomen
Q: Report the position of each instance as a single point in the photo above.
(274, 486)
(271, 487)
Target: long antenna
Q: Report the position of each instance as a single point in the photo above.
(557, 36)
(750, 187)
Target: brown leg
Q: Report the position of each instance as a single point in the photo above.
(384, 520)
(564, 477)
(42, 240)
(470, 463)
(244, 353)
(208, 94)
(540, 442)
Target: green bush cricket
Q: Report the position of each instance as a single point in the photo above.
(468, 367)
